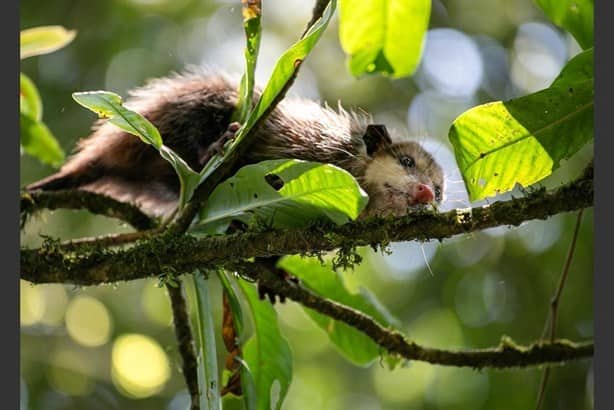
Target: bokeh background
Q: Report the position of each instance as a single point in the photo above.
(112, 347)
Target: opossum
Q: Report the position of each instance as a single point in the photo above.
(193, 110)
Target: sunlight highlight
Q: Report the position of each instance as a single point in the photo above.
(140, 368)
(88, 321)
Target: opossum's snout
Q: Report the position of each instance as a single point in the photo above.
(423, 194)
(411, 194)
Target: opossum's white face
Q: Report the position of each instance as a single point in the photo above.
(401, 176)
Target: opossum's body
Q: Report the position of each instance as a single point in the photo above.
(192, 111)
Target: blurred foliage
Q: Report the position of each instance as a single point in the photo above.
(383, 36)
(474, 289)
(35, 137)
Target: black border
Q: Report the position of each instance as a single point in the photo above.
(9, 310)
(604, 228)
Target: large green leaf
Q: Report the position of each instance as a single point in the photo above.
(43, 40)
(522, 141)
(37, 140)
(383, 35)
(283, 71)
(29, 99)
(109, 105)
(353, 344)
(267, 353)
(305, 191)
(576, 16)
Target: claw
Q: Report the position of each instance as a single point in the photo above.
(218, 146)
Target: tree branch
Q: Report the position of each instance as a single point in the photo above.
(506, 355)
(32, 202)
(162, 254)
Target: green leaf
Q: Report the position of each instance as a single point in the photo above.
(384, 36)
(43, 40)
(251, 24)
(109, 105)
(576, 16)
(283, 71)
(578, 69)
(522, 141)
(309, 190)
(29, 99)
(267, 353)
(37, 140)
(208, 380)
(352, 344)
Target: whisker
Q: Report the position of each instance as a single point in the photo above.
(428, 266)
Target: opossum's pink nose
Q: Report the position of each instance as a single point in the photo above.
(424, 194)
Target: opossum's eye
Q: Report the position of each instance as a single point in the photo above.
(438, 193)
(407, 162)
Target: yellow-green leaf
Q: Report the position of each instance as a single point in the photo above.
(109, 105)
(576, 16)
(37, 140)
(29, 99)
(521, 141)
(384, 36)
(43, 40)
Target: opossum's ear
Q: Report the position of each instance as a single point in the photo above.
(376, 137)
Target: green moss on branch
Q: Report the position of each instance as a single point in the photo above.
(165, 252)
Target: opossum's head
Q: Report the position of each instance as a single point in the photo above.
(399, 175)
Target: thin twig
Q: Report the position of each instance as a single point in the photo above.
(506, 355)
(554, 305)
(185, 341)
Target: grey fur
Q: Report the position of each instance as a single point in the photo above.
(192, 110)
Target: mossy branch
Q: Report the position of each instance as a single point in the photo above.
(507, 355)
(160, 254)
(98, 204)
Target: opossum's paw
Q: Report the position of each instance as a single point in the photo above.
(266, 292)
(218, 146)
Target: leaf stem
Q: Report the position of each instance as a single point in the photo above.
(208, 378)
